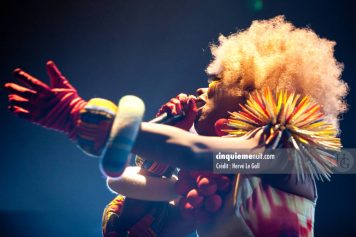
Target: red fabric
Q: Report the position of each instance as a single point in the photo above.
(269, 211)
(55, 106)
(179, 104)
(142, 228)
(203, 194)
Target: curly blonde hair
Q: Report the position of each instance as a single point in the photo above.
(275, 53)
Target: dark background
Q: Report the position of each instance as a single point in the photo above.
(155, 50)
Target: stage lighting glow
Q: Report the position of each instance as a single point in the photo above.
(256, 5)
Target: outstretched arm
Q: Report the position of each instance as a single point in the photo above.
(58, 106)
(182, 149)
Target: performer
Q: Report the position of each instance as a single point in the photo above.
(290, 81)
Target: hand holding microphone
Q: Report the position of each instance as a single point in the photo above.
(182, 104)
(128, 120)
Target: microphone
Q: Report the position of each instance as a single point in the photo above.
(167, 118)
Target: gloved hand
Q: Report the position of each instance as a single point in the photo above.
(56, 106)
(179, 104)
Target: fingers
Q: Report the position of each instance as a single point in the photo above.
(20, 112)
(192, 109)
(183, 101)
(173, 107)
(177, 105)
(29, 80)
(57, 80)
(13, 98)
(192, 97)
(24, 92)
(18, 101)
(183, 98)
(192, 106)
(187, 101)
(170, 108)
(190, 114)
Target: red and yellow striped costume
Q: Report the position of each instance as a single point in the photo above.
(267, 211)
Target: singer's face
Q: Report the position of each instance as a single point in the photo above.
(213, 104)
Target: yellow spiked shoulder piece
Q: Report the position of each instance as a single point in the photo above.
(290, 120)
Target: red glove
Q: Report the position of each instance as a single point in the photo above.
(177, 105)
(55, 106)
(203, 194)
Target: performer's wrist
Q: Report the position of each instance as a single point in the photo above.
(93, 125)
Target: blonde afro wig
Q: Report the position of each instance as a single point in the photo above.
(276, 54)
